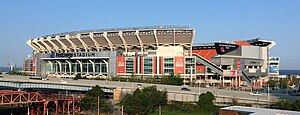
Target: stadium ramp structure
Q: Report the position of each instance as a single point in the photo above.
(208, 64)
(217, 69)
(246, 78)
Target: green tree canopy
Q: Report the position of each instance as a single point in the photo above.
(272, 83)
(283, 83)
(90, 100)
(172, 79)
(205, 101)
(282, 104)
(144, 101)
(296, 105)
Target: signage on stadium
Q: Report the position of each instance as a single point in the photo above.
(223, 48)
(74, 54)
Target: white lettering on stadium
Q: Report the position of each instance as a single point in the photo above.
(77, 54)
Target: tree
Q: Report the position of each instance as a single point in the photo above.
(283, 83)
(296, 105)
(90, 100)
(272, 83)
(144, 101)
(205, 101)
(282, 104)
(172, 79)
(182, 106)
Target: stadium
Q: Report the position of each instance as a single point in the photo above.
(149, 52)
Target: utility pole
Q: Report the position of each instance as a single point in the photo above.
(28, 109)
(199, 88)
(286, 90)
(191, 79)
(73, 105)
(159, 110)
(122, 110)
(98, 105)
(269, 94)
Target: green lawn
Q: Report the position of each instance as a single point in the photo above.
(166, 112)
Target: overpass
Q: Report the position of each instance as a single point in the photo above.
(174, 92)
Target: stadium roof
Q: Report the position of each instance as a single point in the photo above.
(127, 39)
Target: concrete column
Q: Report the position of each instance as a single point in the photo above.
(80, 63)
(236, 81)
(93, 63)
(223, 81)
(51, 66)
(70, 66)
(107, 68)
(60, 66)
(138, 64)
(239, 81)
(205, 73)
(100, 68)
(87, 68)
(65, 68)
(157, 65)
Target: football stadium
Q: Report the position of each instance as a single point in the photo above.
(149, 52)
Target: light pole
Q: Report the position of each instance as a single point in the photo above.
(269, 94)
(191, 80)
(199, 87)
(286, 89)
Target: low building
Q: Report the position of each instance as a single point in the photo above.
(240, 110)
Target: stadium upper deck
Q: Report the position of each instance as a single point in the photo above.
(127, 39)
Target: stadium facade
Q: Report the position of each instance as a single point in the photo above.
(149, 52)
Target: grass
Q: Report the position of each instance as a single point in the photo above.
(166, 112)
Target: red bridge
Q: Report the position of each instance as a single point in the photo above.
(41, 103)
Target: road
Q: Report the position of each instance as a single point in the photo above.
(133, 85)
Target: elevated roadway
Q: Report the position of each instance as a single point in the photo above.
(175, 92)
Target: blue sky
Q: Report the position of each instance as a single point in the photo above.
(214, 20)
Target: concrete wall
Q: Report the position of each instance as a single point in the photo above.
(170, 51)
(251, 51)
(112, 64)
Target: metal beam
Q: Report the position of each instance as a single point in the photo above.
(47, 46)
(53, 44)
(140, 40)
(39, 45)
(35, 48)
(194, 31)
(72, 44)
(82, 42)
(123, 40)
(108, 41)
(95, 42)
(61, 43)
(155, 36)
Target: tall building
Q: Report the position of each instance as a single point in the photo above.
(274, 67)
(29, 66)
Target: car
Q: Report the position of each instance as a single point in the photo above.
(139, 85)
(255, 93)
(75, 78)
(185, 89)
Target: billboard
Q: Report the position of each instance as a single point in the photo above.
(120, 64)
(223, 48)
(179, 65)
